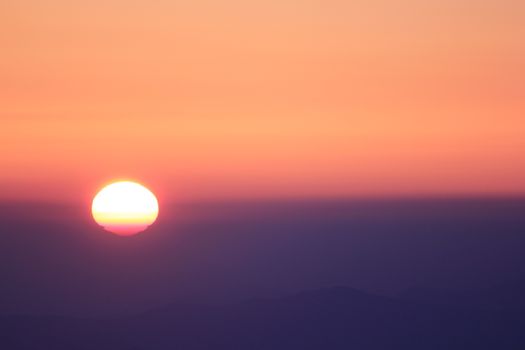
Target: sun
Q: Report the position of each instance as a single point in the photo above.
(125, 208)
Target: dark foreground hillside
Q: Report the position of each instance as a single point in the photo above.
(337, 318)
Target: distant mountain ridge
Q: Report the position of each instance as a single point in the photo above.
(505, 296)
(331, 318)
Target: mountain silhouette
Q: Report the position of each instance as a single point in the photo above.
(333, 318)
(504, 296)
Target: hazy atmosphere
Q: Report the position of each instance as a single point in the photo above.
(215, 99)
(262, 175)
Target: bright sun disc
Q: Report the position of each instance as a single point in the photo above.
(125, 208)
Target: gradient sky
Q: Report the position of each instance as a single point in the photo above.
(207, 99)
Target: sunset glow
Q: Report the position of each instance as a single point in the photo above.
(230, 99)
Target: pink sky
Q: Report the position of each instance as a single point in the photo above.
(208, 99)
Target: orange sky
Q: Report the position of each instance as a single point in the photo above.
(212, 99)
